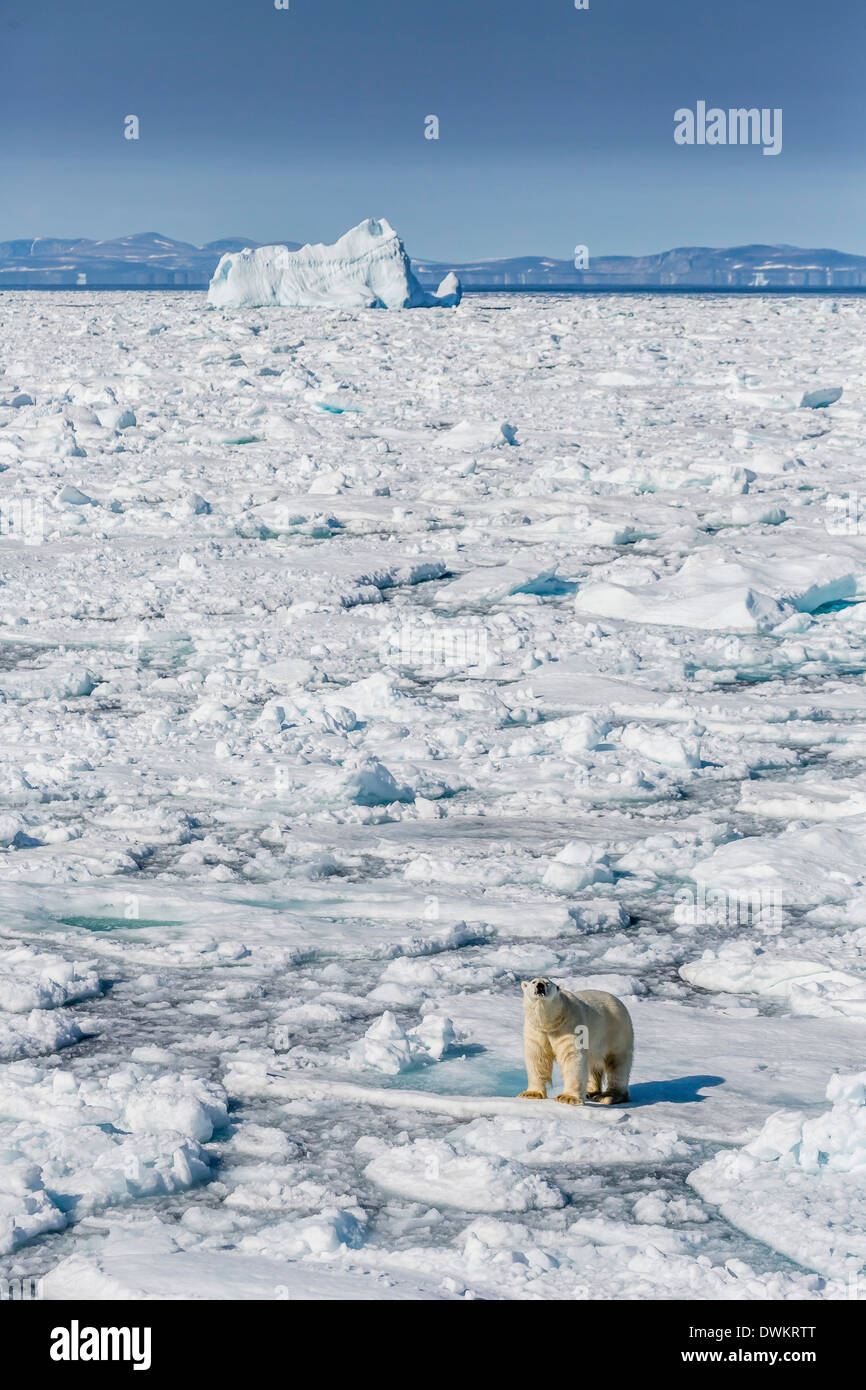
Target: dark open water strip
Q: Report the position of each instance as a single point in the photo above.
(666, 289)
(590, 290)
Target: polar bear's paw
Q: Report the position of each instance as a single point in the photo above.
(568, 1099)
(532, 1095)
(613, 1098)
(594, 1095)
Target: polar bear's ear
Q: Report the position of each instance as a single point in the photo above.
(524, 984)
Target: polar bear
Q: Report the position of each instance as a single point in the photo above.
(590, 1035)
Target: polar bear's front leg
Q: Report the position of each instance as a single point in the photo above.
(539, 1065)
(573, 1065)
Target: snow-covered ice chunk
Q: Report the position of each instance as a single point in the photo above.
(34, 987)
(577, 866)
(32, 979)
(437, 1035)
(388, 1047)
(584, 732)
(183, 1104)
(816, 798)
(385, 1046)
(473, 435)
(374, 697)
(117, 417)
(662, 747)
(809, 987)
(490, 583)
(71, 496)
(327, 1233)
(37, 1033)
(26, 1209)
(372, 784)
(731, 593)
(367, 268)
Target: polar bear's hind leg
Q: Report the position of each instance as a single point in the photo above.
(595, 1089)
(618, 1069)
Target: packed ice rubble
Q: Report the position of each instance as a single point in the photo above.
(71, 1148)
(34, 988)
(318, 735)
(367, 268)
(799, 1185)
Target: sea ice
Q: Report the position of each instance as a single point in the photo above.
(325, 692)
(436, 1171)
(798, 1185)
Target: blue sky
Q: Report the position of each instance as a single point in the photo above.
(556, 125)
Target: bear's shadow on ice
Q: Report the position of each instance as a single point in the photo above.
(679, 1089)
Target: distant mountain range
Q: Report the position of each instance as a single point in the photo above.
(687, 267)
(146, 260)
(151, 261)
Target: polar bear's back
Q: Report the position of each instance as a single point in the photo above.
(608, 1020)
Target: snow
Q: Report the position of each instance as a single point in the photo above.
(809, 865)
(355, 667)
(142, 1266)
(367, 268)
(440, 1173)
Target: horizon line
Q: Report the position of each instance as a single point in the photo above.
(524, 255)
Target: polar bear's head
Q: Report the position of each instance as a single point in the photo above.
(541, 988)
(540, 996)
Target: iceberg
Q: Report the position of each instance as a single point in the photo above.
(368, 268)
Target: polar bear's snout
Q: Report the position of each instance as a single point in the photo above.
(540, 988)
